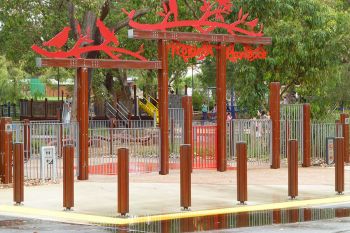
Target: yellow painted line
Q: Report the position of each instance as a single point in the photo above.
(101, 220)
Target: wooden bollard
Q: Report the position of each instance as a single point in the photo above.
(68, 177)
(307, 215)
(123, 181)
(276, 216)
(242, 183)
(185, 176)
(242, 219)
(6, 150)
(18, 174)
(307, 135)
(188, 116)
(293, 168)
(275, 118)
(339, 165)
(344, 119)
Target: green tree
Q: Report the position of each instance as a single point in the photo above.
(12, 79)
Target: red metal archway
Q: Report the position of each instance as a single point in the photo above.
(242, 31)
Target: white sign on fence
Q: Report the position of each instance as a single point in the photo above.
(8, 128)
(48, 163)
(347, 121)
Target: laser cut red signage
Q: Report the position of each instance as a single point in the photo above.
(187, 52)
(205, 23)
(249, 53)
(84, 44)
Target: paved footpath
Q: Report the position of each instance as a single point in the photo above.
(152, 194)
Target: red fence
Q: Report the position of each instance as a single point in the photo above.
(204, 146)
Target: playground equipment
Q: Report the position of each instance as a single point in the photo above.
(149, 105)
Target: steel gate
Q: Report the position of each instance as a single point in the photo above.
(291, 128)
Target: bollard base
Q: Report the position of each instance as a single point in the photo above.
(293, 198)
(68, 209)
(340, 193)
(124, 215)
(242, 203)
(18, 204)
(185, 209)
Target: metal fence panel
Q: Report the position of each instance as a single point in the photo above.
(37, 135)
(258, 136)
(176, 134)
(291, 128)
(319, 134)
(143, 145)
(204, 146)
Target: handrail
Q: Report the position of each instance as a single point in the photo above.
(148, 96)
(123, 108)
(115, 112)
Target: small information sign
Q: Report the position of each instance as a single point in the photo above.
(330, 150)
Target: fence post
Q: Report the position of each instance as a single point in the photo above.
(242, 188)
(123, 181)
(307, 136)
(46, 109)
(8, 109)
(31, 108)
(172, 132)
(344, 120)
(275, 117)
(293, 168)
(112, 125)
(68, 177)
(339, 165)
(6, 149)
(18, 174)
(26, 139)
(188, 116)
(185, 176)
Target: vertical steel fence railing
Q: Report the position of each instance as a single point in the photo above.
(258, 136)
(43, 145)
(204, 142)
(143, 145)
(320, 133)
(291, 128)
(176, 135)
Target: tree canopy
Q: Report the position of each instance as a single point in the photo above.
(309, 55)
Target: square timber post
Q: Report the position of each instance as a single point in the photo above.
(221, 107)
(163, 108)
(83, 118)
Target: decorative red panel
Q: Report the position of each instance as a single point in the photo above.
(84, 44)
(187, 52)
(205, 23)
(249, 53)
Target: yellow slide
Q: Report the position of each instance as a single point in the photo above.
(148, 107)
